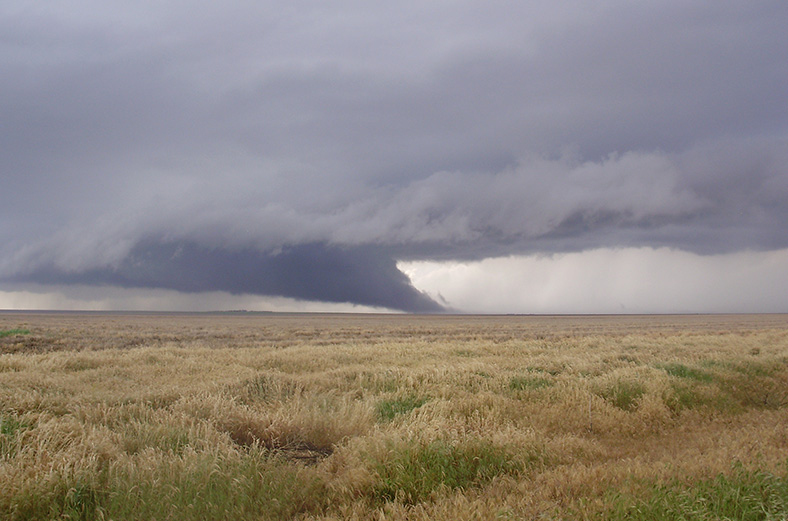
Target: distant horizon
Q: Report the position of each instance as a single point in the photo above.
(360, 313)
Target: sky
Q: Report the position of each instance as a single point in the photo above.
(430, 156)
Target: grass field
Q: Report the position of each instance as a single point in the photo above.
(323, 417)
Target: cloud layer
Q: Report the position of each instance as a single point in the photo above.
(302, 151)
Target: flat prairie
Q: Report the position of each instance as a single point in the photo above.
(235, 416)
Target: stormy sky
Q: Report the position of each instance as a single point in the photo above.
(563, 156)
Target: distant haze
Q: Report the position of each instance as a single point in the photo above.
(413, 156)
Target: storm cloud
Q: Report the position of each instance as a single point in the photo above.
(303, 150)
(358, 275)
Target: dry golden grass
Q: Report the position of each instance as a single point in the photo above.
(382, 417)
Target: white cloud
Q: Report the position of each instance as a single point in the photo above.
(627, 280)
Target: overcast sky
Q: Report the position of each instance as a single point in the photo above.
(563, 156)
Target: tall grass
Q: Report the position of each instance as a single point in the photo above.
(682, 371)
(395, 417)
(743, 495)
(411, 472)
(388, 409)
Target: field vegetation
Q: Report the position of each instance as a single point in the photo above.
(368, 417)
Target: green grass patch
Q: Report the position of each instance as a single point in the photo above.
(733, 387)
(682, 397)
(83, 501)
(251, 487)
(744, 496)
(682, 371)
(751, 384)
(387, 410)
(13, 332)
(687, 395)
(412, 472)
(196, 486)
(747, 368)
(624, 394)
(10, 427)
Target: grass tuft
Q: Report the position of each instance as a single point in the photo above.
(411, 472)
(83, 502)
(387, 410)
(10, 427)
(745, 495)
(682, 371)
(13, 332)
(624, 394)
(203, 486)
(269, 388)
(683, 396)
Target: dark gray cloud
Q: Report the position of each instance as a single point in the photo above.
(272, 144)
(307, 271)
